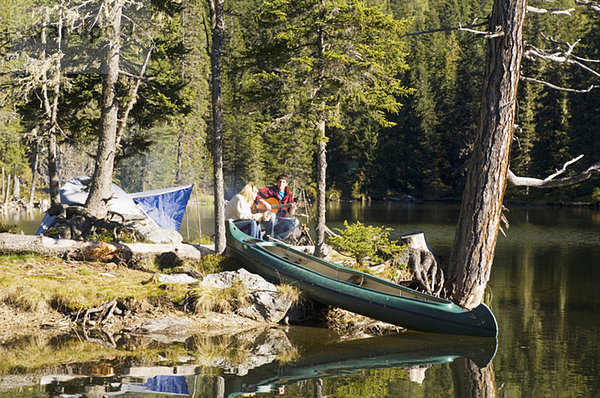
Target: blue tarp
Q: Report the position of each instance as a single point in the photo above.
(165, 206)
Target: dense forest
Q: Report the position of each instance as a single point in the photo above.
(411, 137)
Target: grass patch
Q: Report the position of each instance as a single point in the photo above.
(207, 299)
(203, 240)
(289, 292)
(35, 283)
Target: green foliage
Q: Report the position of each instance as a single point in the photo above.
(10, 228)
(279, 84)
(365, 243)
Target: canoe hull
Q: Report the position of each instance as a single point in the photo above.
(406, 308)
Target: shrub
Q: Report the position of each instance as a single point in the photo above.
(365, 243)
(4, 227)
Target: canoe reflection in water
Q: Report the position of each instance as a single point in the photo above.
(412, 350)
(318, 359)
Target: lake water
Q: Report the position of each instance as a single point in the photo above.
(543, 291)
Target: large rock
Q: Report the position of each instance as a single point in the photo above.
(267, 304)
(148, 231)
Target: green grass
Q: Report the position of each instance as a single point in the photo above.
(35, 283)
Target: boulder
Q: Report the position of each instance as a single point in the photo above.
(266, 303)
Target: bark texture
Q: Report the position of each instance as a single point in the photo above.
(475, 240)
(100, 189)
(218, 37)
(321, 191)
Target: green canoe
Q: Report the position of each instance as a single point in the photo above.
(355, 291)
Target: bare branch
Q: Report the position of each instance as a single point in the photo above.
(554, 11)
(449, 28)
(555, 87)
(592, 5)
(550, 181)
(559, 55)
(132, 95)
(488, 35)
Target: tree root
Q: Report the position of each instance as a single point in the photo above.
(99, 315)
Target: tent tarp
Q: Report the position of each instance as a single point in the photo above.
(165, 207)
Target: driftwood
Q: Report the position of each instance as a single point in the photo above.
(129, 253)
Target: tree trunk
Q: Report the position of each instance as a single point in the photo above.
(51, 109)
(321, 153)
(479, 220)
(34, 168)
(100, 189)
(218, 37)
(7, 197)
(131, 253)
(53, 178)
(321, 190)
(178, 173)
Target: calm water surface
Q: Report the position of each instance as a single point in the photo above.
(543, 291)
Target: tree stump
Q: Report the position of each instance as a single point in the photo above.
(427, 275)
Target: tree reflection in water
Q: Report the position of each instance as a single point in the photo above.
(291, 361)
(470, 381)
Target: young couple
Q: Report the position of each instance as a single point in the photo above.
(275, 205)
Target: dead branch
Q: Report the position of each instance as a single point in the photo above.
(592, 5)
(551, 181)
(449, 28)
(488, 35)
(555, 87)
(554, 11)
(558, 55)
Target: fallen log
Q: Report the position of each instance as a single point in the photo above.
(130, 253)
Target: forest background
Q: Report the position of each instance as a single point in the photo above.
(423, 153)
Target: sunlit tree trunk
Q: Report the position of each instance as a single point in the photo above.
(100, 189)
(51, 109)
(321, 158)
(479, 220)
(218, 37)
(34, 168)
(321, 189)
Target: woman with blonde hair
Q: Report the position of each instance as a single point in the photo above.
(239, 209)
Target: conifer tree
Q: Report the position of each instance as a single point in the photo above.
(317, 58)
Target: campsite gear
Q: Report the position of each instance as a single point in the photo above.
(161, 208)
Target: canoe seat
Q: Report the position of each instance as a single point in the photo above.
(356, 280)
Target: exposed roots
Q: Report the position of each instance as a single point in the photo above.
(99, 315)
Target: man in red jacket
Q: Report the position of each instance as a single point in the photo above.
(279, 200)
